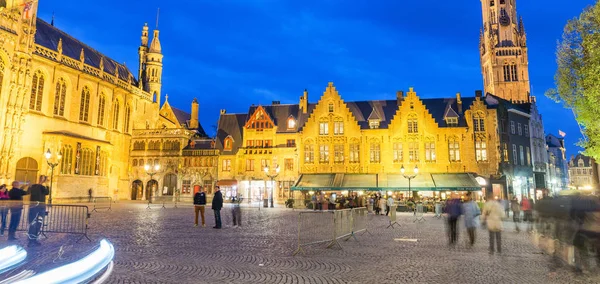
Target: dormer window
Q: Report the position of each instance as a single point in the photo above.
(291, 123)
(228, 144)
(452, 121)
(373, 124)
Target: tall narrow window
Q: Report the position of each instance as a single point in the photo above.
(528, 156)
(521, 155)
(413, 152)
(512, 127)
(478, 122)
(520, 129)
(309, 153)
(375, 153)
(398, 153)
(101, 107)
(506, 69)
(505, 152)
(354, 153)
(338, 128)
(116, 115)
(526, 130)
(127, 117)
(454, 150)
(481, 150)
(37, 91)
(338, 153)
(59, 97)
(429, 151)
(226, 167)
(330, 107)
(324, 128)
(66, 163)
(323, 154)
(289, 164)
(514, 73)
(413, 126)
(84, 106)
(515, 157)
(249, 165)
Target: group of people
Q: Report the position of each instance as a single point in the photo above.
(380, 203)
(217, 205)
(13, 200)
(525, 206)
(491, 217)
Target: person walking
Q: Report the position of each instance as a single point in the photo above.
(506, 206)
(516, 209)
(382, 204)
(390, 203)
(236, 211)
(90, 195)
(453, 210)
(3, 208)
(314, 202)
(217, 204)
(16, 207)
(527, 207)
(37, 212)
(471, 212)
(199, 206)
(376, 204)
(492, 215)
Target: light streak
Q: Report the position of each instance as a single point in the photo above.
(11, 256)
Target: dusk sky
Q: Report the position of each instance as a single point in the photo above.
(231, 54)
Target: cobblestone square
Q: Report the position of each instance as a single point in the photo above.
(163, 246)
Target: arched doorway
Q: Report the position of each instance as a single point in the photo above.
(137, 189)
(151, 188)
(170, 182)
(27, 170)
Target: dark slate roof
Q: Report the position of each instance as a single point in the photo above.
(363, 109)
(280, 113)
(231, 125)
(48, 36)
(587, 161)
(184, 119)
(553, 141)
(200, 144)
(374, 115)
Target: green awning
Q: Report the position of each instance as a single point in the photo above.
(336, 182)
(456, 182)
(359, 181)
(314, 182)
(397, 182)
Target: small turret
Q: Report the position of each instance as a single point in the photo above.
(194, 115)
(304, 102)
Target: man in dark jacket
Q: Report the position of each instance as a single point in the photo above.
(16, 196)
(217, 204)
(199, 204)
(454, 210)
(37, 193)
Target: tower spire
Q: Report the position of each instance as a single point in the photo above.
(157, 14)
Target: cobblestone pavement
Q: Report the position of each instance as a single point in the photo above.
(162, 246)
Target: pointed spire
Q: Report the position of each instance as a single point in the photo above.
(521, 26)
(59, 46)
(81, 59)
(155, 45)
(102, 64)
(166, 98)
(52, 22)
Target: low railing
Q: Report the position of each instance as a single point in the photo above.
(102, 203)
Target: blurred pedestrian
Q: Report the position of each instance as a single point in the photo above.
(382, 204)
(16, 207)
(390, 203)
(516, 209)
(471, 213)
(199, 205)
(314, 201)
(90, 195)
(236, 211)
(492, 214)
(453, 210)
(3, 208)
(376, 204)
(37, 212)
(527, 207)
(506, 206)
(217, 204)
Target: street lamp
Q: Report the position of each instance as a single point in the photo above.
(52, 165)
(272, 177)
(151, 171)
(409, 177)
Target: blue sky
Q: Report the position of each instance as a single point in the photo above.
(231, 54)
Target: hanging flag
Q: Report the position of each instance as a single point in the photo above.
(27, 10)
(561, 133)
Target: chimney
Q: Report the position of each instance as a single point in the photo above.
(223, 112)
(459, 103)
(479, 94)
(276, 103)
(399, 96)
(304, 102)
(194, 116)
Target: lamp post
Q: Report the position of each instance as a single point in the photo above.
(52, 165)
(272, 177)
(151, 171)
(409, 177)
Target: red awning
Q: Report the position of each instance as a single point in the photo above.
(227, 182)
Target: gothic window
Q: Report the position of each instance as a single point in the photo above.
(481, 150)
(59, 97)
(324, 128)
(375, 153)
(84, 106)
(413, 152)
(454, 150)
(429, 151)
(139, 145)
(398, 153)
(37, 91)
(116, 115)
(478, 122)
(88, 162)
(338, 128)
(127, 117)
(101, 107)
(510, 72)
(66, 163)
(323, 154)
(354, 153)
(514, 73)
(338, 153)
(413, 126)
(309, 153)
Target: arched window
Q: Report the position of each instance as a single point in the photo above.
(135, 162)
(228, 144)
(176, 145)
(139, 145)
(88, 161)
(84, 106)
(101, 107)
(127, 117)
(37, 91)
(116, 115)
(168, 145)
(66, 163)
(59, 97)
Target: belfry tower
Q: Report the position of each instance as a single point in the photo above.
(503, 50)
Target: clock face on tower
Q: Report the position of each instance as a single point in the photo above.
(504, 20)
